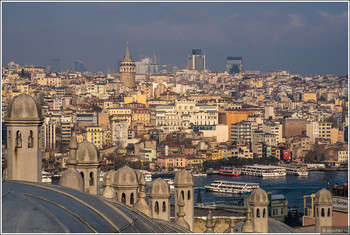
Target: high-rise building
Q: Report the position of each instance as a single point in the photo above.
(79, 66)
(55, 65)
(234, 64)
(127, 69)
(147, 66)
(196, 61)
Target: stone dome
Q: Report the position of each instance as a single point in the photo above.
(87, 153)
(29, 207)
(24, 108)
(71, 179)
(126, 176)
(183, 179)
(159, 187)
(259, 196)
(323, 196)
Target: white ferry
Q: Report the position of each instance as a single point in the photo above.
(222, 186)
(147, 174)
(264, 171)
(199, 175)
(46, 177)
(295, 170)
(171, 183)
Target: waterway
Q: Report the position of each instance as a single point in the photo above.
(293, 187)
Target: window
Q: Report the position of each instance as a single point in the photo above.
(123, 198)
(164, 207)
(156, 207)
(258, 213)
(132, 199)
(189, 195)
(30, 140)
(91, 181)
(18, 139)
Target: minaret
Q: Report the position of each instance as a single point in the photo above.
(127, 69)
(209, 225)
(181, 214)
(108, 191)
(183, 184)
(323, 208)
(248, 226)
(71, 177)
(141, 203)
(24, 122)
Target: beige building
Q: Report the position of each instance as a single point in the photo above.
(94, 135)
(325, 130)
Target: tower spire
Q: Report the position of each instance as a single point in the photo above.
(127, 55)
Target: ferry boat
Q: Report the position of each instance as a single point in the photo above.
(147, 174)
(46, 177)
(230, 171)
(295, 170)
(223, 186)
(171, 183)
(199, 175)
(264, 171)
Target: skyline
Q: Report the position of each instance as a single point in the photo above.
(304, 38)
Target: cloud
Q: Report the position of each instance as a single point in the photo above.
(234, 16)
(296, 20)
(327, 15)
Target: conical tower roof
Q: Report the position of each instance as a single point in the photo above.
(127, 55)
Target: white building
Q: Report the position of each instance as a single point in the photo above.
(313, 131)
(119, 133)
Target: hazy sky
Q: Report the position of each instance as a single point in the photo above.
(305, 38)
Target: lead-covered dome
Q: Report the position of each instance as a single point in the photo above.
(126, 176)
(323, 196)
(29, 207)
(258, 196)
(159, 187)
(183, 179)
(24, 108)
(87, 153)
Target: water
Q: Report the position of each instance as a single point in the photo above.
(293, 187)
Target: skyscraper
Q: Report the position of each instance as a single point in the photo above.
(55, 65)
(127, 69)
(79, 66)
(234, 64)
(196, 61)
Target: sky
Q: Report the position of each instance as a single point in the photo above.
(303, 37)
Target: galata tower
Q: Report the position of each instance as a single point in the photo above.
(127, 69)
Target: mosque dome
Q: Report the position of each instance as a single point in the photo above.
(258, 196)
(87, 153)
(29, 207)
(72, 179)
(159, 187)
(126, 177)
(323, 196)
(24, 108)
(183, 179)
